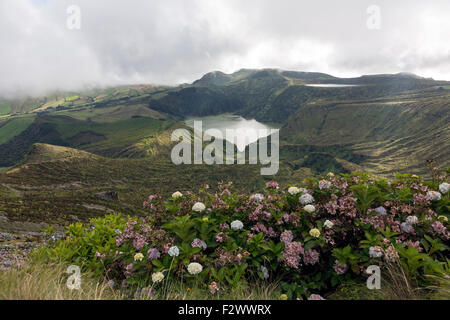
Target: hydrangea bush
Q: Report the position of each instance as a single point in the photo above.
(312, 237)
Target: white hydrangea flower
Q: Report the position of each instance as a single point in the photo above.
(138, 257)
(306, 198)
(174, 251)
(375, 252)
(412, 220)
(157, 277)
(309, 208)
(316, 297)
(328, 224)
(198, 207)
(265, 272)
(303, 190)
(406, 227)
(324, 184)
(314, 233)
(257, 196)
(194, 268)
(236, 225)
(177, 195)
(444, 187)
(381, 210)
(293, 190)
(433, 195)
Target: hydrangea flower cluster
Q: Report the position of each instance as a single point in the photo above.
(306, 198)
(340, 268)
(236, 225)
(157, 277)
(444, 187)
(375, 252)
(198, 243)
(153, 254)
(198, 207)
(194, 268)
(324, 229)
(309, 208)
(174, 251)
(293, 190)
(177, 195)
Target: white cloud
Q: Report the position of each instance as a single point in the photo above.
(177, 41)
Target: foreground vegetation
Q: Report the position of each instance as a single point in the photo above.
(40, 281)
(308, 242)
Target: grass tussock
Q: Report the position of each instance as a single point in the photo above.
(441, 290)
(49, 282)
(397, 284)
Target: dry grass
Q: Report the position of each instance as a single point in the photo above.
(48, 282)
(256, 291)
(398, 285)
(40, 281)
(441, 288)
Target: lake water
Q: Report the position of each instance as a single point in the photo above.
(229, 121)
(331, 85)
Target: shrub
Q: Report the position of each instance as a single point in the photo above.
(312, 239)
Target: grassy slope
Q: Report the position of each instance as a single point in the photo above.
(393, 135)
(73, 99)
(123, 138)
(13, 127)
(118, 135)
(52, 186)
(5, 108)
(112, 114)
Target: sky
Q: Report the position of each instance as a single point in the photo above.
(46, 45)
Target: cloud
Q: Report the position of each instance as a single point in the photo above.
(175, 41)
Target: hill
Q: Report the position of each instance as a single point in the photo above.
(41, 153)
(54, 183)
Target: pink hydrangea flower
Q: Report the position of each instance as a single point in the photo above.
(340, 268)
(272, 185)
(311, 257)
(291, 254)
(286, 236)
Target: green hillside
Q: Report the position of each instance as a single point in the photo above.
(5, 108)
(53, 183)
(112, 139)
(10, 128)
(394, 135)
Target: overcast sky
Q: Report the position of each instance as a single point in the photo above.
(176, 41)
